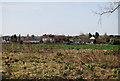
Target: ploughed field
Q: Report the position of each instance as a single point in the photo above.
(49, 61)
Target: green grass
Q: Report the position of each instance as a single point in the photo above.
(36, 47)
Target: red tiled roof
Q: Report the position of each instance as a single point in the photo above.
(54, 36)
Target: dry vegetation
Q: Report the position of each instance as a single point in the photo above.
(61, 64)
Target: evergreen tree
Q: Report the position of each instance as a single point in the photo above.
(96, 35)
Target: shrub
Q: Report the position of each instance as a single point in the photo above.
(114, 42)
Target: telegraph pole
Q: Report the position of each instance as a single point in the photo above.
(119, 19)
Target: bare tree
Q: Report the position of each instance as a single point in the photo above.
(112, 7)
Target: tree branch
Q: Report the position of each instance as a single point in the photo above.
(109, 11)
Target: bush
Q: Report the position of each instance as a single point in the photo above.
(114, 42)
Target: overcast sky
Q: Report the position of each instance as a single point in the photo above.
(69, 18)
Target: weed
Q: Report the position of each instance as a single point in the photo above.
(66, 67)
(38, 60)
(103, 72)
(82, 63)
(106, 53)
(117, 71)
(64, 73)
(79, 78)
(91, 67)
(79, 71)
(104, 66)
(92, 52)
(60, 54)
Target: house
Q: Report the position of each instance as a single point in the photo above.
(5, 42)
(31, 41)
(85, 41)
(6, 39)
(92, 40)
(47, 38)
(53, 38)
(61, 39)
